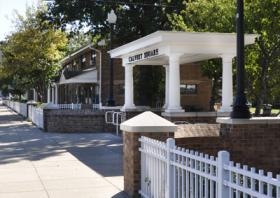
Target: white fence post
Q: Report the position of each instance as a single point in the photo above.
(169, 176)
(223, 159)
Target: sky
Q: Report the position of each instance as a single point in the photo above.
(7, 8)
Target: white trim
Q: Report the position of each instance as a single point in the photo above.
(255, 120)
(191, 40)
(85, 77)
(148, 122)
(77, 52)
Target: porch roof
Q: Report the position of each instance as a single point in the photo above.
(154, 49)
(89, 76)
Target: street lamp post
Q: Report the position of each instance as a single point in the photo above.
(240, 107)
(111, 19)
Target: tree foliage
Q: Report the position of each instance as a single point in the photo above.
(261, 17)
(207, 16)
(134, 18)
(31, 54)
(79, 40)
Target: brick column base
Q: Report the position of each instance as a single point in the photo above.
(132, 159)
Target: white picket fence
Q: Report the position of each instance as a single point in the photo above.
(168, 171)
(35, 114)
(20, 108)
(70, 106)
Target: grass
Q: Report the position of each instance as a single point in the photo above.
(273, 111)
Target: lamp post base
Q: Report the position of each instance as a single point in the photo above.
(240, 108)
(240, 112)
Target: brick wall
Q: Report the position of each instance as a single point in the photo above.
(191, 74)
(256, 145)
(75, 121)
(118, 79)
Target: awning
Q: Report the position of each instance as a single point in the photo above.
(86, 77)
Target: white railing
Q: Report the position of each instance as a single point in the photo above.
(70, 106)
(109, 117)
(115, 118)
(20, 108)
(168, 171)
(35, 114)
(95, 107)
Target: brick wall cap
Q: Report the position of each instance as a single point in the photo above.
(51, 106)
(148, 122)
(255, 120)
(189, 114)
(31, 102)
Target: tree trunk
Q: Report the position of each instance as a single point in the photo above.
(213, 94)
(263, 90)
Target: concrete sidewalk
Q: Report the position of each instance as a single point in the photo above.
(35, 164)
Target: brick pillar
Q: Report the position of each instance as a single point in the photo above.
(146, 124)
(46, 113)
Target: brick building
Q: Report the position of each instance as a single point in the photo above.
(84, 79)
(85, 74)
(86, 70)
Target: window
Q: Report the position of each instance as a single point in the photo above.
(188, 89)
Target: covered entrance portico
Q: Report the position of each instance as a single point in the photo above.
(172, 49)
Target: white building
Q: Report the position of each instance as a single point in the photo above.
(172, 49)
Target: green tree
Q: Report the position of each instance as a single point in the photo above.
(207, 16)
(31, 54)
(78, 40)
(261, 17)
(136, 19)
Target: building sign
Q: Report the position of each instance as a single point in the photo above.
(144, 55)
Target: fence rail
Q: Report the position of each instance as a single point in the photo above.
(168, 171)
(20, 108)
(70, 106)
(35, 114)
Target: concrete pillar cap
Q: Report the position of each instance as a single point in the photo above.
(51, 106)
(148, 122)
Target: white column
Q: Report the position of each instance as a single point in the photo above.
(166, 85)
(128, 86)
(56, 94)
(49, 95)
(53, 88)
(174, 98)
(227, 90)
(35, 96)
